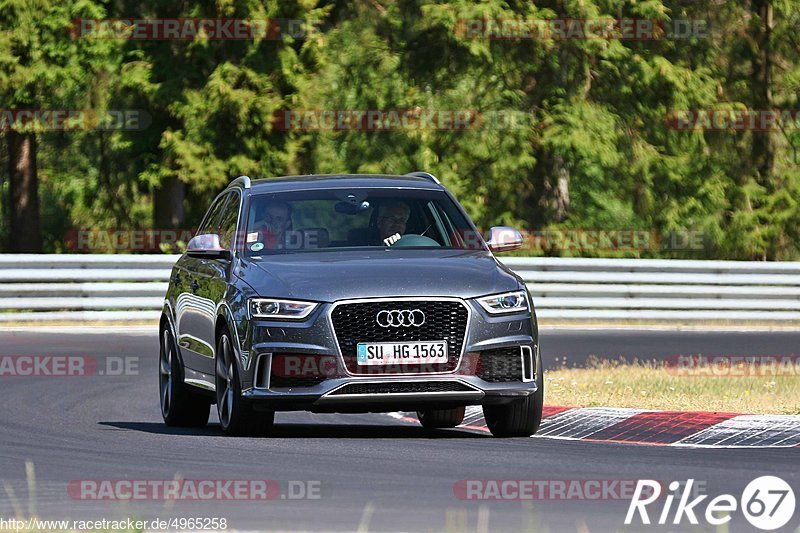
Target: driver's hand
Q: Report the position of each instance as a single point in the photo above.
(391, 239)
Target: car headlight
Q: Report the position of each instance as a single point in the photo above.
(281, 309)
(508, 302)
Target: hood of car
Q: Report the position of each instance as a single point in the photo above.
(345, 274)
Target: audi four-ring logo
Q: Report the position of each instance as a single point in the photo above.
(396, 318)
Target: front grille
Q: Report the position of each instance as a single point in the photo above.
(403, 388)
(356, 322)
(500, 364)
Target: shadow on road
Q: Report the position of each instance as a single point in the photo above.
(159, 428)
(317, 431)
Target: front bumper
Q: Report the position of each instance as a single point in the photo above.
(389, 394)
(342, 391)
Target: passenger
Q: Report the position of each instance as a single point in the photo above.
(272, 222)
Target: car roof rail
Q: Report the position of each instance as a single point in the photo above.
(244, 181)
(426, 175)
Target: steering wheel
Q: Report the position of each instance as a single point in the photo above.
(412, 239)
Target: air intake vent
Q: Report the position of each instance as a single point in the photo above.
(501, 364)
(262, 371)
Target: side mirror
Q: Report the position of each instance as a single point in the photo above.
(207, 247)
(504, 239)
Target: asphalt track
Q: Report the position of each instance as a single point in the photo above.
(373, 471)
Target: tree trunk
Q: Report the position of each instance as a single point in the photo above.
(23, 224)
(168, 204)
(554, 195)
(763, 151)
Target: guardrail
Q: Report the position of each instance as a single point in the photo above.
(69, 287)
(661, 289)
(132, 287)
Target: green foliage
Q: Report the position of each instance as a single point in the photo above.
(587, 145)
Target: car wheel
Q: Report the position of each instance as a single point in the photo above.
(441, 418)
(179, 405)
(236, 415)
(520, 418)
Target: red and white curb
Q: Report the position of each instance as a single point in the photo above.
(660, 428)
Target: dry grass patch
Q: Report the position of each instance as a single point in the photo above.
(653, 385)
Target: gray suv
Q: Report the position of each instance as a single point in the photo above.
(347, 294)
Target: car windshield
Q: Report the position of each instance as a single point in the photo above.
(331, 219)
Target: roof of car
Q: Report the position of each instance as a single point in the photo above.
(332, 181)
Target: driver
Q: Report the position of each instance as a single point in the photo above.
(392, 219)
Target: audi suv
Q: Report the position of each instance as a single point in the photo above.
(348, 294)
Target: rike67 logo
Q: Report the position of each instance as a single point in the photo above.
(767, 502)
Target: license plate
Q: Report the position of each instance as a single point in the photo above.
(382, 353)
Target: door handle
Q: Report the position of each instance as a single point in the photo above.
(194, 285)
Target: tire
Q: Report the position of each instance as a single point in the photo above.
(441, 418)
(180, 406)
(520, 418)
(236, 415)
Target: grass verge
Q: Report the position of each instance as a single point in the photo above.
(654, 385)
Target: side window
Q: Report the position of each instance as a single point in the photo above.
(228, 219)
(211, 220)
